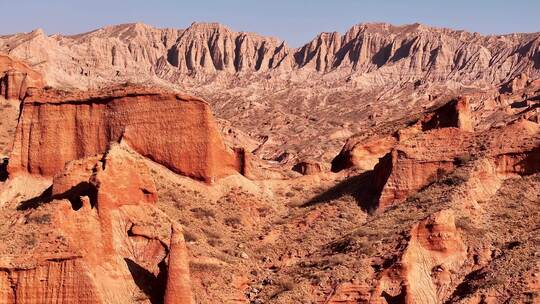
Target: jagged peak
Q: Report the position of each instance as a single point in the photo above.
(215, 27)
(208, 26)
(38, 32)
(328, 35)
(388, 28)
(117, 29)
(135, 27)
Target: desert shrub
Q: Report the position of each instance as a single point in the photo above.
(364, 246)
(494, 282)
(298, 188)
(214, 242)
(263, 211)
(202, 213)
(342, 246)
(453, 180)
(280, 286)
(286, 284)
(465, 224)
(40, 219)
(462, 159)
(190, 236)
(337, 259)
(204, 267)
(234, 222)
(30, 240)
(212, 234)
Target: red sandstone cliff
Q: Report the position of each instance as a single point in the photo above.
(177, 131)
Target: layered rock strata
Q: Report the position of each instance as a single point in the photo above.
(417, 162)
(177, 131)
(372, 54)
(364, 153)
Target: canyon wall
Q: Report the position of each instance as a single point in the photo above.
(174, 130)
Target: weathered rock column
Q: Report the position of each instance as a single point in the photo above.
(178, 289)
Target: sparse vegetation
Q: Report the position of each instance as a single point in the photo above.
(203, 213)
(234, 222)
(40, 219)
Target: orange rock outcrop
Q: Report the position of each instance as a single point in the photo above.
(454, 114)
(64, 280)
(365, 153)
(417, 162)
(425, 273)
(16, 77)
(117, 240)
(177, 131)
(308, 167)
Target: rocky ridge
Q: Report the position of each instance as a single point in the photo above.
(438, 204)
(346, 82)
(369, 54)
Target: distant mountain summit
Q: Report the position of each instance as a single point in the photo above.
(369, 55)
(332, 87)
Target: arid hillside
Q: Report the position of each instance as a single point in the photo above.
(336, 84)
(390, 164)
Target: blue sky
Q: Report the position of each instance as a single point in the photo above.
(294, 21)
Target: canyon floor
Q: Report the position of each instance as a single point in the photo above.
(390, 164)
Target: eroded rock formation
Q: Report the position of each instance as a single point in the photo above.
(309, 167)
(453, 184)
(177, 131)
(178, 288)
(381, 64)
(376, 53)
(419, 161)
(456, 114)
(16, 77)
(59, 279)
(364, 153)
(212, 47)
(110, 201)
(426, 272)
